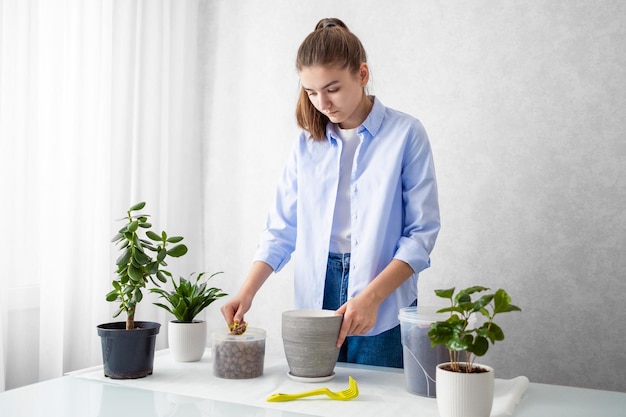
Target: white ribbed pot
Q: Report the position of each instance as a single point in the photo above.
(187, 341)
(461, 394)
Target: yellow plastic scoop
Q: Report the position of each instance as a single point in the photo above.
(351, 392)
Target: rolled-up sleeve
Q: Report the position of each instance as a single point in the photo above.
(278, 239)
(421, 202)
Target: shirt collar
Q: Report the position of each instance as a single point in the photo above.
(375, 119)
(371, 124)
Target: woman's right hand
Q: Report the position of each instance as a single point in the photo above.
(234, 310)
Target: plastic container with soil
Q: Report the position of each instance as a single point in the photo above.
(238, 356)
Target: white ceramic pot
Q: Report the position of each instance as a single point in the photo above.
(461, 394)
(187, 341)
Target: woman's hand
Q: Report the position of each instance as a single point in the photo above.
(234, 310)
(359, 316)
(359, 313)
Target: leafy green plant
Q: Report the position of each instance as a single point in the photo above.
(455, 332)
(143, 255)
(188, 298)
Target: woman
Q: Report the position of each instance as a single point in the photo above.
(356, 203)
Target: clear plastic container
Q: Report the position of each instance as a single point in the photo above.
(238, 356)
(420, 359)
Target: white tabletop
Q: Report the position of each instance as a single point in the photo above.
(190, 389)
(78, 397)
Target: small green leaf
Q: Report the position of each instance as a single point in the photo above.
(463, 298)
(456, 343)
(153, 236)
(124, 257)
(445, 293)
(174, 239)
(177, 251)
(152, 268)
(135, 273)
(140, 257)
(148, 245)
(161, 277)
(132, 227)
(138, 206)
(502, 303)
(165, 307)
(161, 254)
(495, 333)
(483, 301)
(137, 242)
(479, 347)
(474, 289)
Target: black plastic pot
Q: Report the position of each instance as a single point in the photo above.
(128, 354)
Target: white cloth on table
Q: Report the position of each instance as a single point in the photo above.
(507, 394)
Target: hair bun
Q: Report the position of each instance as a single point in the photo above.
(330, 22)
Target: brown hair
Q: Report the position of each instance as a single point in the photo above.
(331, 44)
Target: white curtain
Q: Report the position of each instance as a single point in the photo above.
(98, 111)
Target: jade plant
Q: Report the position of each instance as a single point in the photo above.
(142, 259)
(189, 297)
(462, 332)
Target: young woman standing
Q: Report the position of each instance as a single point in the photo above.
(356, 203)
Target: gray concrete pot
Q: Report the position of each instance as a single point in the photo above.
(310, 342)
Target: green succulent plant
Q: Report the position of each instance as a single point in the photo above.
(143, 255)
(457, 332)
(189, 297)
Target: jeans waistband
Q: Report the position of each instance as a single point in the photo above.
(339, 258)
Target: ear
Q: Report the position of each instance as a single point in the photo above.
(364, 74)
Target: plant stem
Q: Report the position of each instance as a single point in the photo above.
(130, 319)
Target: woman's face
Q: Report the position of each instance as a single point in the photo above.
(338, 93)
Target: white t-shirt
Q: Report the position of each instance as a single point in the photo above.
(342, 227)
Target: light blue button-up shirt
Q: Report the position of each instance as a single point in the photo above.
(393, 202)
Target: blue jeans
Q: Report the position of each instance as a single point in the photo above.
(384, 349)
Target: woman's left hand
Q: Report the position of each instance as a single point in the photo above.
(359, 316)
(359, 313)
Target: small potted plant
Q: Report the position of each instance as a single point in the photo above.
(186, 335)
(462, 333)
(128, 347)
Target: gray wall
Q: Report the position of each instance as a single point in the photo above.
(524, 104)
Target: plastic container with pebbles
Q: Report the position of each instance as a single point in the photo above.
(238, 356)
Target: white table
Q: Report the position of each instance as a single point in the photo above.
(190, 389)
